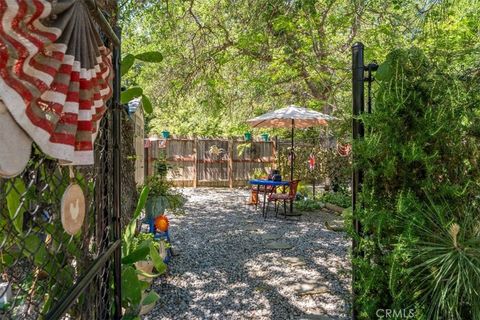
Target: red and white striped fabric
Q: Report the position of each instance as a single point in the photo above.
(55, 75)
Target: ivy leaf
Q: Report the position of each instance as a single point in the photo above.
(147, 105)
(130, 93)
(151, 297)
(150, 56)
(14, 203)
(126, 63)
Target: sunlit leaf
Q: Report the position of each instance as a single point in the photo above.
(126, 63)
(130, 94)
(147, 105)
(150, 56)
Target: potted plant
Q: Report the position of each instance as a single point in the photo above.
(140, 256)
(165, 134)
(161, 196)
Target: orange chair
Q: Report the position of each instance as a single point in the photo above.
(285, 197)
(254, 193)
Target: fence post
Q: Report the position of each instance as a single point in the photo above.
(195, 162)
(230, 163)
(117, 187)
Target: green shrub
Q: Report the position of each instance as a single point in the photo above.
(308, 205)
(340, 199)
(420, 192)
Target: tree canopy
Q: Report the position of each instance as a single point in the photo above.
(226, 61)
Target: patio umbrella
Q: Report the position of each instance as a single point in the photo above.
(55, 75)
(291, 117)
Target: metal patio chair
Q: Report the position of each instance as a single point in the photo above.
(288, 196)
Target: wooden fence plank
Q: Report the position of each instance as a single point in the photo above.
(195, 164)
(213, 162)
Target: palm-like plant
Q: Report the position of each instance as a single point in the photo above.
(445, 265)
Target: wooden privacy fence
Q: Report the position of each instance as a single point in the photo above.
(210, 162)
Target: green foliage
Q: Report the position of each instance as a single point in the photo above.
(444, 266)
(135, 248)
(16, 208)
(309, 205)
(161, 194)
(135, 91)
(340, 199)
(127, 63)
(130, 229)
(329, 165)
(147, 105)
(150, 56)
(419, 201)
(130, 94)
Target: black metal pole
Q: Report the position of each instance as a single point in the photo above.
(292, 159)
(358, 132)
(291, 152)
(117, 182)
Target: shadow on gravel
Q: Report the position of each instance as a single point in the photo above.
(224, 271)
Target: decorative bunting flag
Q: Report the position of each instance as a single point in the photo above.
(55, 75)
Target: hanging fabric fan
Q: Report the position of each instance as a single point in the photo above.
(55, 75)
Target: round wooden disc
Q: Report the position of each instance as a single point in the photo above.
(15, 145)
(73, 209)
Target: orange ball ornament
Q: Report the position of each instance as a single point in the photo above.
(161, 223)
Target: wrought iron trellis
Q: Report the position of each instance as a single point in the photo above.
(45, 272)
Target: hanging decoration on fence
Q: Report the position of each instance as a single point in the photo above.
(344, 149)
(15, 145)
(311, 162)
(73, 207)
(55, 75)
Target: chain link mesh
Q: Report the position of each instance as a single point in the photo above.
(39, 261)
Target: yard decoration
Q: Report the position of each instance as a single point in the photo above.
(344, 150)
(55, 76)
(161, 223)
(15, 145)
(73, 209)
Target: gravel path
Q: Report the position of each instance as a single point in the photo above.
(225, 270)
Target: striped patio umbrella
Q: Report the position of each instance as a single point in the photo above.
(291, 117)
(55, 75)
